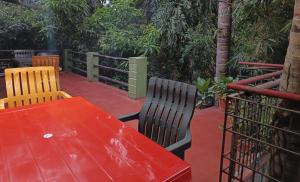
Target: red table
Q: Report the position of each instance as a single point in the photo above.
(73, 140)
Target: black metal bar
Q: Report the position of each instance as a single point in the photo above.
(112, 57)
(265, 175)
(6, 50)
(267, 125)
(78, 69)
(223, 139)
(266, 143)
(269, 105)
(111, 68)
(81, 53)
(111, 80)
(78, 61)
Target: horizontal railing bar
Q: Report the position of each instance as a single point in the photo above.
(78, 61)
(263, 124)
(261, 64)
(260, 68)
(270, 84)
(112, 57)
(258, 78)
(111, 68)
(266, 92)
(6, 50)
(236, 97)
(81, 53)
(249, 168)
(6, 59)
(76, 68)
(112, 80)
(263, 142)
(30, 50)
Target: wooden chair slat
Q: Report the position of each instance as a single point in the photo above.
(24, 84)
(52, 60)
(45, 84)
(31, 85)
(39, 85)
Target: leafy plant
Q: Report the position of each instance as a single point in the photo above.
(122, 30)
(220, 86)
(205, 92)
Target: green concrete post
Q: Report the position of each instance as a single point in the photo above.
(67, 59)
(92, 59)
(137, 78)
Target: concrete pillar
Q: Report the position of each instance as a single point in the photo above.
(67, 59)
(92, 59)
(137, 78)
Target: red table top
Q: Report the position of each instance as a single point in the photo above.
(73, 140)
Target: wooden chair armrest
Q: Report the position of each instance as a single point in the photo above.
(2, 103)
(64, 94)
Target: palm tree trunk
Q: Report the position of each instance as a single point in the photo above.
(284, 166)
(224, 36)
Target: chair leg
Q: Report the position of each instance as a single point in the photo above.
(180, 154)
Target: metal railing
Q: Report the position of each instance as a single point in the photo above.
(252, 69)
(100, 67)
(110, 70)
(79, 62)
(260, 130)
(7, 58)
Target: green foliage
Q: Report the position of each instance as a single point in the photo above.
(220, 86)
(178, 36)
(203, 85)
(260, 30)
(205, 92)
(184, 34)
(19, 27)
(201, 47)
(64, 20)
(122, 30)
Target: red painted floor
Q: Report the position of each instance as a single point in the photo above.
(204, 155)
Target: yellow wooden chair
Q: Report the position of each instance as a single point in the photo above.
(30, 85)
(49, 60)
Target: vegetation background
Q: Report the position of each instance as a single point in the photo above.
(179, 36)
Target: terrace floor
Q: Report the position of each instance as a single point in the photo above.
(203, 156)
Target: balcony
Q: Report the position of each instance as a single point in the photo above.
(243, 138)
(204, 155)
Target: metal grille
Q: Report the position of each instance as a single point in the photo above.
(258, 131)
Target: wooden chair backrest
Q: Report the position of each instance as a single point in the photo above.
(30, 85)
(51, 60)
(166, 114)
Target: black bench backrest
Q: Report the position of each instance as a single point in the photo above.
(166, 114)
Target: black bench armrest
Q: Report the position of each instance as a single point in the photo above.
(181, 145)
(129, 117)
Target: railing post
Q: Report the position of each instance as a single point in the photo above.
(67, 59)
(92, 59)
(137, 78)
